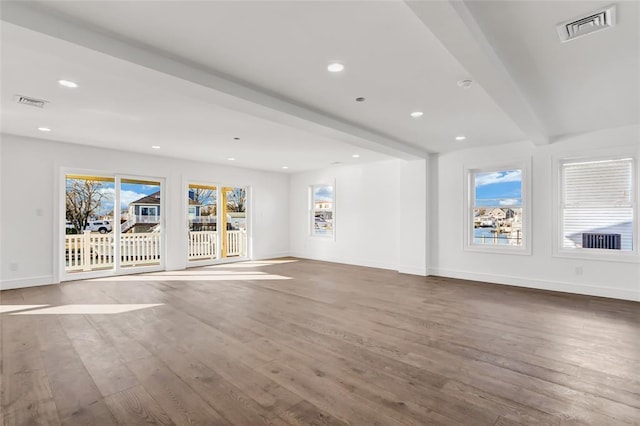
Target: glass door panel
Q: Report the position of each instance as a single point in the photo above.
(202, 214)
(140, 223)
(233, 222)
(89, 226)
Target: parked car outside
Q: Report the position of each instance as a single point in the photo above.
(101, 226)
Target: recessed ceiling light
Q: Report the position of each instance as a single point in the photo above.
(356, 155)
(155, 146)
(361, 99)
(285, 167)
(67, 83)
(460, 138)
(465, 84)
(417, 114)
(44, 129)
(231, 159)
(335, 67)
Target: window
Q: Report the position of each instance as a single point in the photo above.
(497, 207)
(597, 206)
(322, 210)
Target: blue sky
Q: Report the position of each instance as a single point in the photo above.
(499, 189)
(129, 192)
(323, 193)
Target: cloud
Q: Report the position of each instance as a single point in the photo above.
(492, 178)
(126, 197)
(509, 202)
(323, 193)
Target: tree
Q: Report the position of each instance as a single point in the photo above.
(206, 198)
(84, 198)
(237, 200)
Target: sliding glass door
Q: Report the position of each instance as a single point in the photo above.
(202, 216)
(111, 224)
(140, 224)
(234, 222)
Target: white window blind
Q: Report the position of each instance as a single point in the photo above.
(597, 202)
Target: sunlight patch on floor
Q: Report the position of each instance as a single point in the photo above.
(253, 263)
(217, 276)
(13, 308)
(89, 309)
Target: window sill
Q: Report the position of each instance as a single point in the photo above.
(579, 254)
(518, 251)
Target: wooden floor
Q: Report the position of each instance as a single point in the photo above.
(317, 343)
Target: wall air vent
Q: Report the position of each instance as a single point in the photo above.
(25, 100)
(593, 22)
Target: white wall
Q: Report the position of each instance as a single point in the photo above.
(29, 185)
(541, 269)
(380, 215)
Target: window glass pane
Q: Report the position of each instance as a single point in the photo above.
(89, 223)
(497, 212)
(234, 235)
(597, 205)
(598, 183)
(499, 188)
(140, 203)
(202, 211)
(614, 222)
(322, 210)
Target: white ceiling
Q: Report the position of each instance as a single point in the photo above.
(587, 84)
(124, 106)
(190, 76)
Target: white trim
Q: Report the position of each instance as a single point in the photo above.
(274, 256)
(557, 249)
(27, 282)
(348, 261)
(560, 286)
(422, 271)
(469, 171)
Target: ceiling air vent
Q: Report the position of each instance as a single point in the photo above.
(593, 22)
(25, 100)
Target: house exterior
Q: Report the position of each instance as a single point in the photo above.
(146, 209)
(322, 205)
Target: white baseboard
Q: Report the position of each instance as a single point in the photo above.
(273, 255)
(589, 290)
(422, 271)
(348, 261)
(27, 282)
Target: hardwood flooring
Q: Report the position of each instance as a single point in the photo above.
(315, 343)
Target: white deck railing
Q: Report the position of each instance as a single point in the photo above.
(236, 243)
(202, 245)
(90, 251)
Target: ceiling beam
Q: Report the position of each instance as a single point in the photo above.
(230, 93)
(456, 28)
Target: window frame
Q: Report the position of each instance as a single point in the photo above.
(470, 172)
(312, 210)
(594, 254)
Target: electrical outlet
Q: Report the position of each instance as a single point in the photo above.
(578, 270)
(13, 266)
